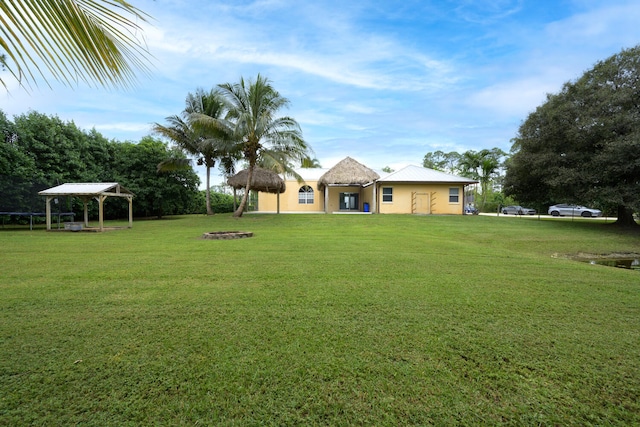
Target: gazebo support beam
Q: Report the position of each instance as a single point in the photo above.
(130, 199)
(85, 204)
(48, 212)
(101, 200)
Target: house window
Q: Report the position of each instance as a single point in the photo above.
(305, 195)
(454, 195)
(387, 194)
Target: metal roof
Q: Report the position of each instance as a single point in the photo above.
(413, 173)
(87, 189)
(310, 174)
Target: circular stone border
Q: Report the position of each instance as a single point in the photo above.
(226, 235)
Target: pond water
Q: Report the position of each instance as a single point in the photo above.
(630, 263)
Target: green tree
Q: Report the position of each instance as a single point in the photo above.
(263, 138)
(17, 170)
(61, 151)
(40, 151)
(156, 193)
(483, 166)
(208, 143)
(583, 144)
(441, 161)
(87, 40)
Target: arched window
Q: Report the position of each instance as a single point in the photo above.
(305, 195)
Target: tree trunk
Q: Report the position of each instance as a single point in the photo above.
(208, 192)
(238, 213)
(625, 217)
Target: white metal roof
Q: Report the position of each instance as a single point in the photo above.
(413, 173)
(309, 174)
(409, 173)
(86, 189)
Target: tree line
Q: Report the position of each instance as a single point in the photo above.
(581, 146)
(40, 151)
(485, 166)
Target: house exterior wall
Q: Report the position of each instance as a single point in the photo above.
(268, 202)
(364, 196)
(420, 198)
(428, 199)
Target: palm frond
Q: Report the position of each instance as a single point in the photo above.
(94, 41)
(174, 164)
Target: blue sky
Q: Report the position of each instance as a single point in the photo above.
(381, 81)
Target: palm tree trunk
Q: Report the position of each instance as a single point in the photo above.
(208, 192)
(243, 203)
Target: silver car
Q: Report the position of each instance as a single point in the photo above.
(573, 210)
(518, 210)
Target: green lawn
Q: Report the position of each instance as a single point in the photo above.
(320, 320)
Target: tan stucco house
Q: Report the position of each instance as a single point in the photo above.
(352, 187)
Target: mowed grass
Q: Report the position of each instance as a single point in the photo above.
(320, 320)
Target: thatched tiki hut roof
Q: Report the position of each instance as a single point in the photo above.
(262, 180)
(348, 172)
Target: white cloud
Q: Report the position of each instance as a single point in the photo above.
(514, 98)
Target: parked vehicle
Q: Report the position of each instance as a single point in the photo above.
(573, 210)
(518, 210)
(471, 210)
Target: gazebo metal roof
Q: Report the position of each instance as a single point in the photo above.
(87, 191)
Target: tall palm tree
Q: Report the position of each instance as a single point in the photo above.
(488, 166)
(87, 40)
(262, 137)
(208, 144)
(469, 165)
(482, 166)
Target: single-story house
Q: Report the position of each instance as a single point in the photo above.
(350, 186)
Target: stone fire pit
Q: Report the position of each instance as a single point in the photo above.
(227, 235)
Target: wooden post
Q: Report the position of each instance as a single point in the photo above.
(101, 199)
(130, 211)
(48, 212)
(85, 202)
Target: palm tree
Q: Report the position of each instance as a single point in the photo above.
(208, 144)
(481, 166)
(469, 164)
(262, 137)
(309, 163)
(488, 166)
(87, 40)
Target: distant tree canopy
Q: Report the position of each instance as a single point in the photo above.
(39, 151)
(484, 166)
(443, 162)
(583, 144)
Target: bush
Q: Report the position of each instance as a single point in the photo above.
(220, 203)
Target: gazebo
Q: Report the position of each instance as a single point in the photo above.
(88, 191)
(262, 180)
